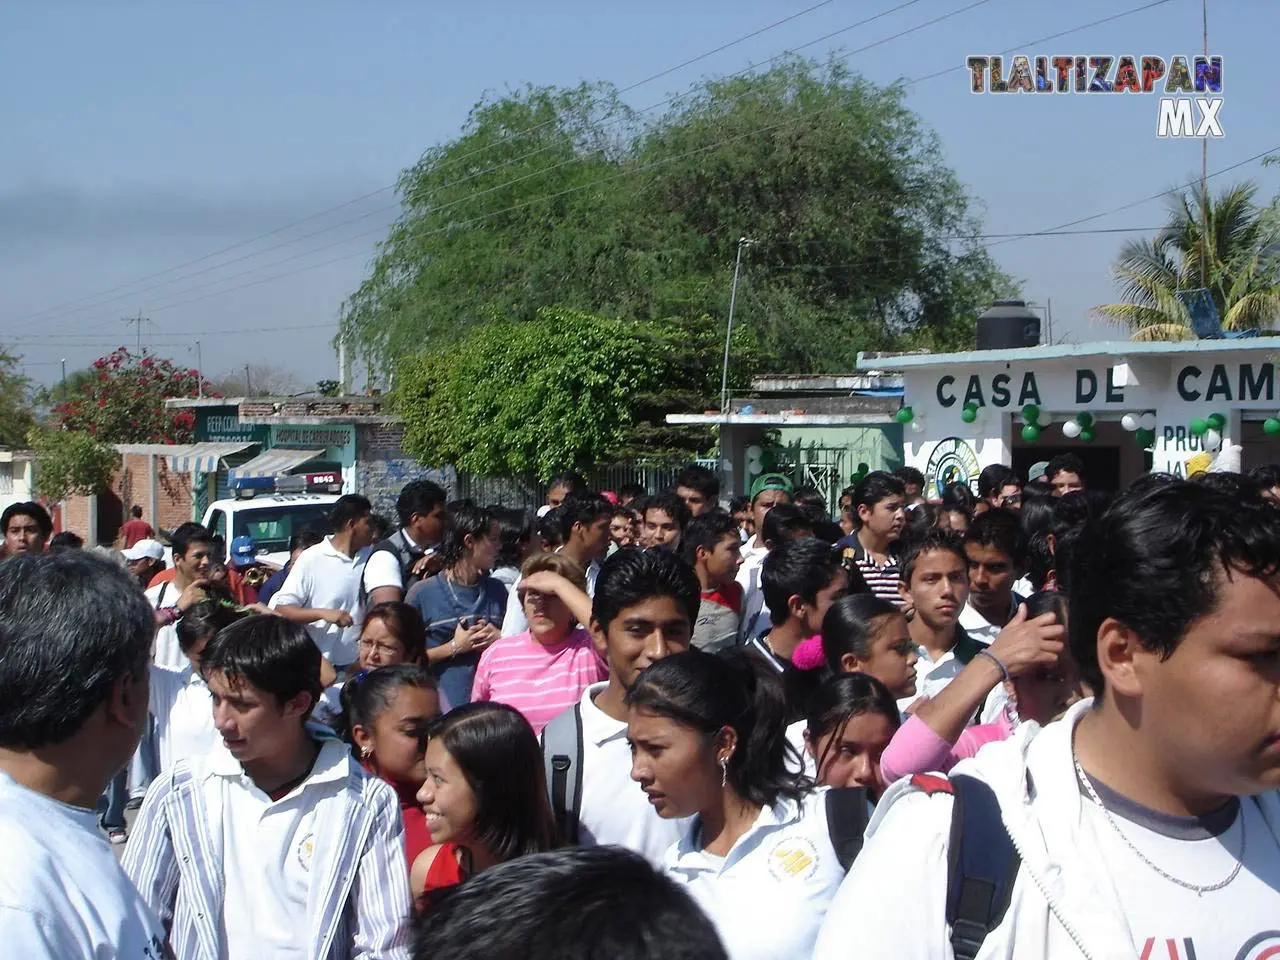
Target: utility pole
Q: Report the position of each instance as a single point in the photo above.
(248, 388)
(1204, 167)
(64, 378)
(199, 372)
(344, 375)
(743, 243)
(137, 323)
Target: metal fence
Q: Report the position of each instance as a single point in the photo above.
(529, 493)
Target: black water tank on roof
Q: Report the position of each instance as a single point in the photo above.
(1008, 324)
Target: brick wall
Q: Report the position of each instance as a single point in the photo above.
(383, 468)
(132, 484)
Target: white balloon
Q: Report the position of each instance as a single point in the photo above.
(1071, 429)
(1044, 419)
(917, 426)
(754, 452)
(1212, 440)
(726, 465)
(754, 467)
(1147, 421)
(1130, 422)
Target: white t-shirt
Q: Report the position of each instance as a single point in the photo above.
(62, 892)
(614, 808)
(165, 652)
(183, 711)
(769, 895)
(755, 615)
(323, 578)
(383, 568)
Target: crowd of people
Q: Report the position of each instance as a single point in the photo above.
(1028, 720)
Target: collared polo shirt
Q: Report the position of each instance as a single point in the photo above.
(326, 578)
(183, 711)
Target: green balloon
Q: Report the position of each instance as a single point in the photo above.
(1144, 438)
(1030, 413)
(1198, 427)
(968, 415)
(1271, 426)
(905, 415)
(1088, 435)
(863, 468)
(1031, 433)
(1084, 419)
(1217, 421)
(970, 405)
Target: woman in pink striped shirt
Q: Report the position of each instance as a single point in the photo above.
(544, 670)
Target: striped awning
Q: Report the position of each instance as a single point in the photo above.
(202, 457)
(273, 463)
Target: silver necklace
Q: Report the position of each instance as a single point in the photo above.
(1200, 891)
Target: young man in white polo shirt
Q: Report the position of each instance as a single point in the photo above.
(644, 609)
(323, 590)
(73, 671)
(276, 844)
(1144, 823)
(398, 562)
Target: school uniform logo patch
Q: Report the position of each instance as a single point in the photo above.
(793, 858)
(306, 850)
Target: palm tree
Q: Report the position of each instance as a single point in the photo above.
(1237, 259)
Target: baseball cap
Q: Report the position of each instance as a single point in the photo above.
(242, 551)
(144, 549)
(771, 481)
(1037, 470)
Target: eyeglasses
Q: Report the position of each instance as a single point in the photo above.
(380, 647)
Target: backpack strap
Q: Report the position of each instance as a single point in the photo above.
(562, 758)
(981, 868)
(846, 822)
(397, 546)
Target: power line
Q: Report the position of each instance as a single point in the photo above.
(452, 161)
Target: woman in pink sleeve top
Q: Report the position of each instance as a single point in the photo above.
(1029, 657)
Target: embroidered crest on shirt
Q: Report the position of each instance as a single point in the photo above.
(306, 850)
(793, 858)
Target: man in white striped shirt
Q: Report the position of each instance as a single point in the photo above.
(276, 844)
(880, 504)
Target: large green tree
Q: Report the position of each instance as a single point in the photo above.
(16, 418)
(553, 197)
(1229, 247)
(561, 389)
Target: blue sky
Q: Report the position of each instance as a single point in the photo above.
(139, 136)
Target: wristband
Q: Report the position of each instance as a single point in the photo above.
(453, 648)
(1004, 671)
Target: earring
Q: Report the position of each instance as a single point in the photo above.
(724, 771)
(366, 752)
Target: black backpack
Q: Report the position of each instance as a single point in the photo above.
(405, 556)
(562, 757)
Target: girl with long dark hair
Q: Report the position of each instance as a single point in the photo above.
(852, 718)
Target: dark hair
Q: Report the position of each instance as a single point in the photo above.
(497, 751)
(71, 624)
(701, 479)
(464, 519)
(958, 496)
(1046, 601)
(797, 568)
(848, 624)
(1156, 561)
(633, 490)
(379, 526)
(549, 528)
(365, 696)
(707, 531)
(65, 540)
(999, 528)
(623, 909)
(779, 528)
(272, 654)
(349, 508)
(936, 539)
(420, 497)
(875, 486)
(994, 478)
(1064, 461)
(910, 476)
(738, 504)
(1233, 484)
(304, 538)
(572, 482)
(515, 530)
(203, 620)
(668, 503)
(1036, 488)
(921, 517)
(1266, 476)
(633, 575)
(824, 528)
(582, 508)
(30, 509)
(187, 534)
(1036, 515)
(809, 497)
(1071, 513)
(136, 511)
(707, 693)
(404, 622)
(841, 698)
